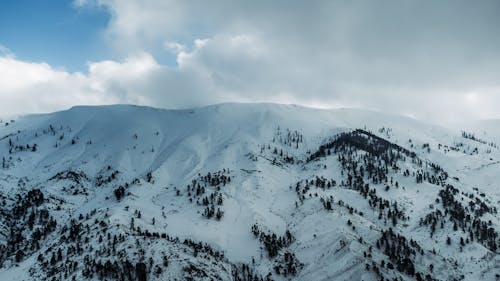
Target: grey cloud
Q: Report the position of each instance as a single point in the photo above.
(422, 58)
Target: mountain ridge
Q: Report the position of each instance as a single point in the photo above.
(240, 178)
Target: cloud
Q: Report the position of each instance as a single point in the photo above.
(6, 52)
(174, 47)
(433, 60)
(38, 87)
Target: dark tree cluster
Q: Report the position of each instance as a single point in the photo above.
(356, 179)
(463, 148)
(15, 145)
(210, 211)
(447, 148)
(367, 159)
(102, 257)
(364, 157)
(203, 248)
(427, 147)
(283, 156)
(478, 206)
(58, 133)
(272, 242)
(121, 190)
(281, 150)
(467, 149)
(327, 203)
(400, 250)
(361, 140)
(288, 137)
(302, 187)
(244, 272)
(76, 178)
(212, 202)
(29, 222)
(465, 218)
(279, 156)
(149, 177)
(119, 271)
(471, 136)
(106, 176)
(51, 129)
(7, 162)
(215, 179)
(387, 131)
(381, 155)
(287, 264)
(389, 211)
(205, 251)
(386, 210)
(432, 219)
(21, 147)
(349, 208)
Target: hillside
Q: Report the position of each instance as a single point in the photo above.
(246, 192)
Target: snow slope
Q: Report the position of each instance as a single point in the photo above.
(85, 154)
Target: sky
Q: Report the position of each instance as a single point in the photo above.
(436, 61)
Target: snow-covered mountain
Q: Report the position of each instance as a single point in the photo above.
(246, 192)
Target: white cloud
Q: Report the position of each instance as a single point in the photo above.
(238, 68)
(174, 47)
(6, 52)
(419, 58)
(38, 87)
(132, 68)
